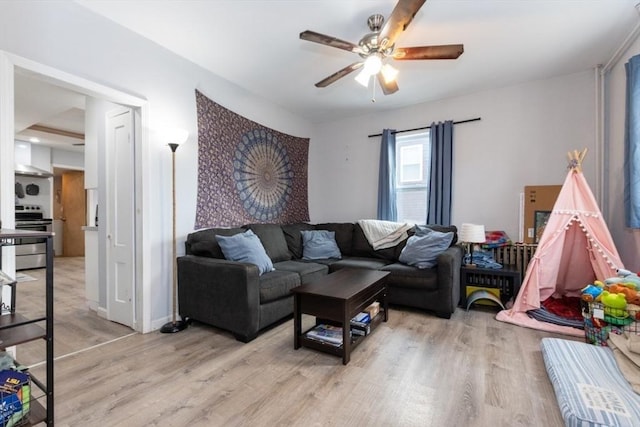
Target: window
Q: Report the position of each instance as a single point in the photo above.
(412, 176)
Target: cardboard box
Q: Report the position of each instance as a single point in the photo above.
(373, 309)
(538, 203)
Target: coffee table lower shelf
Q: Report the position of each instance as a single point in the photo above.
(339, 350)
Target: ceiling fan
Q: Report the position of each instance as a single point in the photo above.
(378, 46)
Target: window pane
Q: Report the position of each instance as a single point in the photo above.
(412, 175)
(412, 205)
(411, 164)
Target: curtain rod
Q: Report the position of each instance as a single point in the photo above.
(426, 127)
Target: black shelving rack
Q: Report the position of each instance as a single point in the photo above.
(16, 329)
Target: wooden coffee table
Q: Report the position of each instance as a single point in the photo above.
(338, 297)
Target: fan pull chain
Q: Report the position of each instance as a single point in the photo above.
(373, 89)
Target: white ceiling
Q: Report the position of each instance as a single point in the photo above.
(255, 44)
(40, 103)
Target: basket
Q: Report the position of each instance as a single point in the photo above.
(15, 398)
(600, 321)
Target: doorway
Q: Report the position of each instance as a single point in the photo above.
(70, 212)
(10, 66)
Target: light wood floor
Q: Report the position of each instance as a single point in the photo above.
(415, 370)
(75, 326)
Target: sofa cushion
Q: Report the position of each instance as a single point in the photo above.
(423, 229)
(204, 243)
(358, 262)
(245, 247)
(272, 238)
(277, 284)
(294, 238)
(422, 250)
(344, 234)
(406, 276)
(362, 247)
(319, 244)
(308, 271)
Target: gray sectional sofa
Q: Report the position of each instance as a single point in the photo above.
(233, 296)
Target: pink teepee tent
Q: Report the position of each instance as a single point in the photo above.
(575, 249)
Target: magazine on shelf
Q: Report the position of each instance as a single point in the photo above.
(356, 332)
(360, 328)
(326, 333)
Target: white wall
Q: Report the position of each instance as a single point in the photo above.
(68, 37)
(67, 159)
(627, 240)
(522, 139)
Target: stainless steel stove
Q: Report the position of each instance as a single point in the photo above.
(31, 252)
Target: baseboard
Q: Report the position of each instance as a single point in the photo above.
(102, 312)
(92, 305)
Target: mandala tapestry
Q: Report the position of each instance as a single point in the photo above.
(247, 173)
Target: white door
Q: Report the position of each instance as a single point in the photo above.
(120, 216)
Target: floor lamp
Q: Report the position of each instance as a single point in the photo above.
(177, 137)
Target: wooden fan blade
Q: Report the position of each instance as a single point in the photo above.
(339, 74)
(387, 88)
(312, 36)
(447, 51)
(398, 21)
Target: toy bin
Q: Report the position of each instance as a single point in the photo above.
(600, 321)
(15, 396)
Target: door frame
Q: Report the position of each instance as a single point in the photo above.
(10, 64)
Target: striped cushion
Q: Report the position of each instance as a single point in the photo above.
(589, 388)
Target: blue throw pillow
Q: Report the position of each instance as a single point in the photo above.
(422, 251)
(421, 230)
(245, 247)
(319, 244)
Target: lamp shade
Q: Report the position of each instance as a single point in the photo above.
(472, 233)
(176, 136)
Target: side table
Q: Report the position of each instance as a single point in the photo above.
(506, 279)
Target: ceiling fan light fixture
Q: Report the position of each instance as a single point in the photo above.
(372, 64)
(389, 73)
(363, 78)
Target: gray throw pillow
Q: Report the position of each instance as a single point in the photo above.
(245, 247)
(319, 244)
(422, 251)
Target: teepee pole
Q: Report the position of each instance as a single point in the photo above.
(575, 159)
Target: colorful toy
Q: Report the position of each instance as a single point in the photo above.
(631, 295)
(626, 278)
(590, 293)
(614, 304)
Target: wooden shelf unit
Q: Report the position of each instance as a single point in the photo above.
(16, 329)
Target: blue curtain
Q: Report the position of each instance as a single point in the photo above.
(632, 145)
(387, 209)
(439, 206)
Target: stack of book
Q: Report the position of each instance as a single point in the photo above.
(360, 324)
(327, 334)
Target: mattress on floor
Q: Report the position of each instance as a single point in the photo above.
(589, 388)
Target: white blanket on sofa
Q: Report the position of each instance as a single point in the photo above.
(384, 234)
